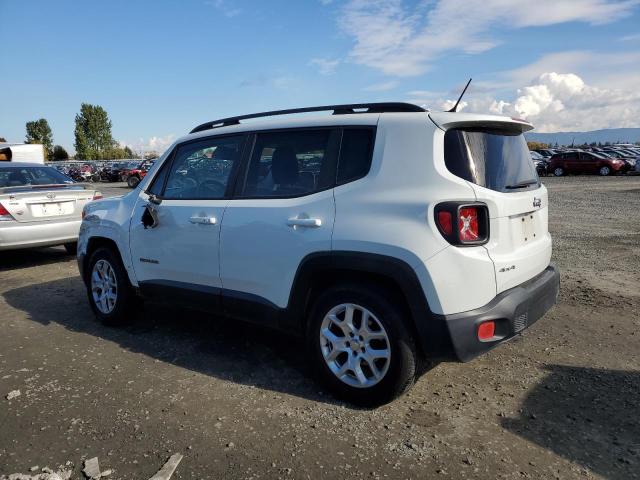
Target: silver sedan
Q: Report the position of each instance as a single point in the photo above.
(40, 206)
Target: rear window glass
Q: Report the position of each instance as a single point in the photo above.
(495, 159)
(23, 176)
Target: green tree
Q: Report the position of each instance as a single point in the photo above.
(3, 140)
(116, 152)
(39, 131)
(59, 153)
(537, 145)
(93, 133)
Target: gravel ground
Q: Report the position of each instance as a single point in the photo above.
(237, 401)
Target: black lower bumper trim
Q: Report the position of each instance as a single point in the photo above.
(512, 311)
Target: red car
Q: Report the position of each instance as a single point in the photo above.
(134, 175)
(584, 162)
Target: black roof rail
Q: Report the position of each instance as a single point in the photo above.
(337, 110)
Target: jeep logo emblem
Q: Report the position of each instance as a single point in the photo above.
(537, 202)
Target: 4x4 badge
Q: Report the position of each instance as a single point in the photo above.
(537, 202)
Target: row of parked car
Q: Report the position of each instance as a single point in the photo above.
(618, 159)
(130, 171)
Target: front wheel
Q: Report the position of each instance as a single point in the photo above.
(110, 294)
(604, 171)
(558, 171)
(360, 346)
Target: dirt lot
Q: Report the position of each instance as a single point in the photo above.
(560, 402)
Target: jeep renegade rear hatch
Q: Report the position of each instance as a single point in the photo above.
(493, 157)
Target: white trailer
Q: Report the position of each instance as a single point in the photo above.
(22, 152)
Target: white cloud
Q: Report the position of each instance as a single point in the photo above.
(326, 66)
(556, 102)
(630, 38)
(157, 144)
(381, 87)
(597, 65)
(226, 7)
(402, 41)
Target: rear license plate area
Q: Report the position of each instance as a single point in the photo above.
(528, 225)
(51, 209)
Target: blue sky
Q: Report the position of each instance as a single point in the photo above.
(159, 68)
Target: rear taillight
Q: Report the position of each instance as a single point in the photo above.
(97, 195)
(468, 229)
(4, 214)
(445, 222)
(471, 222)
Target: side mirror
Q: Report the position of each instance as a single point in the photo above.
(149, 217)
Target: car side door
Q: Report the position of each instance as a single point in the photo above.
(588, 163)
(283, 211)
(175, 227)
(571, 162)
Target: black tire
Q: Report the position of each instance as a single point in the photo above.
(133, 181)
(124, 309)
(71, 248)
(558, 171)
(403, 361)
(604, 171)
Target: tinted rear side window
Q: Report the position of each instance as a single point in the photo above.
(355, 154)
(292, 163)
(494, 159)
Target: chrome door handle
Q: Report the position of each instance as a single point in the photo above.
(305, 222)
(203, 220)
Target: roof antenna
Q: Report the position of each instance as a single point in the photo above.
(455, 107)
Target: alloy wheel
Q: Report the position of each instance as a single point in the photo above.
(355, 345)
(104, 286)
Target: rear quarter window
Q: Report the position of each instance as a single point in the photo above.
(356, 152)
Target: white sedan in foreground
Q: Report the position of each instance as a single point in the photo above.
(40, 206)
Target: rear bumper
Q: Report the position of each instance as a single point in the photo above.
(15, 235)
(512, 310)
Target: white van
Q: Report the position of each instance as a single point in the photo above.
(22, 152)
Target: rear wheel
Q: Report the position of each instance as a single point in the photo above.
(558, 171)
(604, 171)
(133, 181)
(110, 294)
(360, 346)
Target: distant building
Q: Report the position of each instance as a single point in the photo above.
(22, 152)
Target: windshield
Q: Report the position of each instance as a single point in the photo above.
(22, 176)
(495, 159)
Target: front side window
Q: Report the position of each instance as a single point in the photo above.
(495, 159)
(291, 163)
(201, 170)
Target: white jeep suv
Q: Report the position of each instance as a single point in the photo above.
(383, 234)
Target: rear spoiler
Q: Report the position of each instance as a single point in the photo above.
(447, 120)
(55, 186)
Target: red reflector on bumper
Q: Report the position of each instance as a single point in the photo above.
(486, 330)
